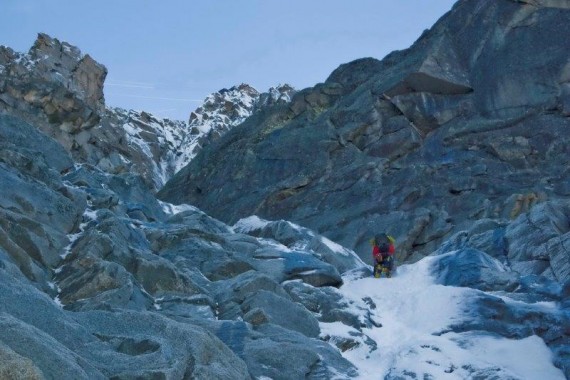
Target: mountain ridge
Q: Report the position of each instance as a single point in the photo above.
(59, 89)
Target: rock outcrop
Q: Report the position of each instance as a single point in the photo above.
(99, 280)
(470, 123)
(54, 81)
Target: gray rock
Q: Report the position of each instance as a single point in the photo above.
(39, 203)
(35, 328)
(296, 237)
(503, 317)
(537, 241)
(153, 343)
(90, 283)
(14, 366)
(421, 144)
(272, 351)
(50, 357)
(88, 76)
(115, 259)
(542, 288)
(205, 243)
(306, 357)
(20, 135)
(475, 269)
(104, 344)
(199, 221)
(57, 104)
(182, 306)
(231, 293)
(281, 311)
(256, 317)
(189, 248)
(330, 306)
(37, 210)
(282, 266)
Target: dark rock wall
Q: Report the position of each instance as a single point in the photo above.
(470, 122)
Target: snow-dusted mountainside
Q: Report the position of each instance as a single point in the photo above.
(469, 123)
(158, 142)
(60, 90)
(225, 109)
(171, 144)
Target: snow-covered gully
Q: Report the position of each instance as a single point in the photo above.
(415, 314)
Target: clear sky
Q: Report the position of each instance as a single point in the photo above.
(165, 56)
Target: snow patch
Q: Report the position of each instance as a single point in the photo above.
(251, 223)
(88, 216)
(337, 329)
(58, 301)
(336, 248)
(172, 209)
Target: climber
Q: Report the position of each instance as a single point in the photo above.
(383, 253)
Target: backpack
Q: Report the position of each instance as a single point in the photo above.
(383, 242)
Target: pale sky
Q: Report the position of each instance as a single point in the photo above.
(165, 57)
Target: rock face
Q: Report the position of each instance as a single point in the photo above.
(53, 81)
(225, 109)
(470, 123)
(59, 90)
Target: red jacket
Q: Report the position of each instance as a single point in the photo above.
(376, 251)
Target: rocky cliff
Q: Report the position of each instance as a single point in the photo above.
(101, 280)
(60, 90)
(470, 124)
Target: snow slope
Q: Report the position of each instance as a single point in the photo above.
(426, 330)
(415, 314)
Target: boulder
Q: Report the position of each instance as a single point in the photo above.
(330, 306)
(230, 294)
(504, 317)
(152, 345)
(272, 351)
(297, 237)
(475, 269)
(14, 366)
(283, 312)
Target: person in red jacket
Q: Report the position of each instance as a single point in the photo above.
(383, 253)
